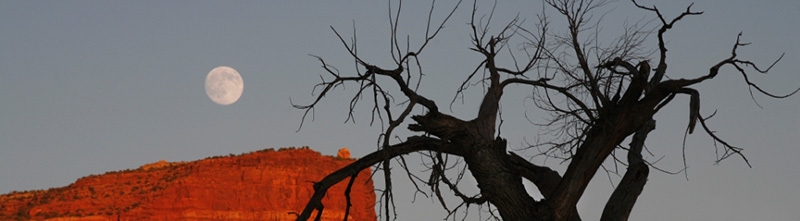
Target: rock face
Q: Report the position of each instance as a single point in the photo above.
(262, 185)
(343, 153)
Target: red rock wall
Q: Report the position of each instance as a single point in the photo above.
(264, 185)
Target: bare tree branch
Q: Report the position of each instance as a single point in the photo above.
(413, 144)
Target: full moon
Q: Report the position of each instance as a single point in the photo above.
(224, 85)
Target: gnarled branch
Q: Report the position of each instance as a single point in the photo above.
(412, 144)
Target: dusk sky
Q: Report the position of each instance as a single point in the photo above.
(93, 86)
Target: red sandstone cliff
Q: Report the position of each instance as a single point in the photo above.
(262, 185)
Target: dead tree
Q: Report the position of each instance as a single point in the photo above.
(596, 99)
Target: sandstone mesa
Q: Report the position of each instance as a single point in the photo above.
(261, 185)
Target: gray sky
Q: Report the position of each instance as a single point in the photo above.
(94, 86)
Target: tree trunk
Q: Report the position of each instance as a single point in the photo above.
(501, 184)
(620, 204)
(607, 133)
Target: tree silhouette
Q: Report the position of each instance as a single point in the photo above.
(596, 96)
